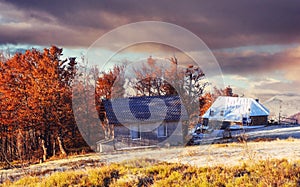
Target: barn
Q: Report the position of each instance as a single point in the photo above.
(239, 110)
(148, 121)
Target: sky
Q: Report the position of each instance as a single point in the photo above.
(256, 43)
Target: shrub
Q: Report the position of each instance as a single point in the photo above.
(132, 173)
(27, 181)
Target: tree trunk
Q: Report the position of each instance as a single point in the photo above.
(44, 150)
(112, 132)
(108, 130)
(61, 146)
(54, 152)
(20, 142)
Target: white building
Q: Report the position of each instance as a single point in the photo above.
(238, 110)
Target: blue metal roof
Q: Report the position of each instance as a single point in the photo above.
(144, 109)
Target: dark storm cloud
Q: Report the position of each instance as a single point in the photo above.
(252, 62)
(239, 63)
(220, 24)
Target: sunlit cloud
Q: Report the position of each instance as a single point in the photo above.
(257, 44)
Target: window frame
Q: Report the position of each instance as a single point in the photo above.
(165, 130)
(132, 130)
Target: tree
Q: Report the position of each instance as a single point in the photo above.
(205, 101)
(189, 83)
(194, 87)
(36, 103)
(224, 92)
(150, 80)
(84, 103)
(109, 85)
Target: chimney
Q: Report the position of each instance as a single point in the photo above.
(228, 91)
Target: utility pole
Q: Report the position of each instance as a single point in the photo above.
(279, 114)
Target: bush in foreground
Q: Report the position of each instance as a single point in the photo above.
(152, 173)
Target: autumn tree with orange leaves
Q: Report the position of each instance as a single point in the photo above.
(36, 117)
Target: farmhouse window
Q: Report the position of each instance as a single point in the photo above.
(162, 130)
(135, 132)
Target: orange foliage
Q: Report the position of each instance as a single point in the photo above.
(35, 101)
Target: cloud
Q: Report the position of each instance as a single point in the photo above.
(255, 62)
(264, 88)
(278, 88)
(220, 24)
(262, 74)
(36, 27)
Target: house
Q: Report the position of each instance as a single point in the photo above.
(144, 122)
(237, 110)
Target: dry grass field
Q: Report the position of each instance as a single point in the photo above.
(228, 157)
